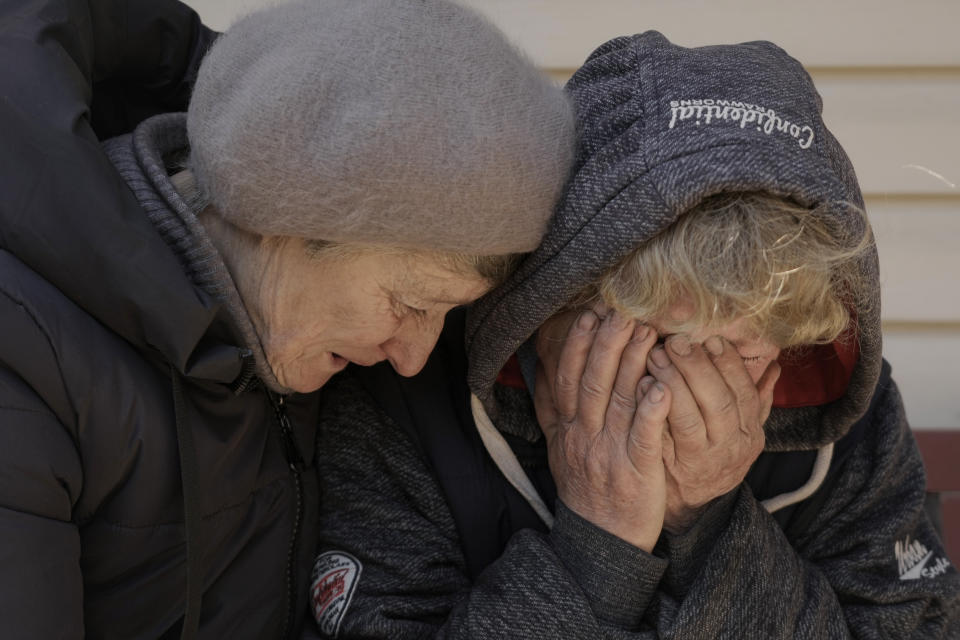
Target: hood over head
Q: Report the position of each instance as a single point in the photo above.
(663, 127)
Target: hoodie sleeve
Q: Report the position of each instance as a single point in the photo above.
(869, 566)
(391, 564)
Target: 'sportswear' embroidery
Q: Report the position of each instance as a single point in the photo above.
(334, 579)
(913, 560)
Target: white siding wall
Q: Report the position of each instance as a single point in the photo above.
(889, 73)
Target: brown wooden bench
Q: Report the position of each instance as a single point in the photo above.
(941, 457)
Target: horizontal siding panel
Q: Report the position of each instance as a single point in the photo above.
(899, 127)
(559, 34)
(917, 239)
(220, 14)
(925, 368)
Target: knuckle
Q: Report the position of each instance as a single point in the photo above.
(685, 423)
(728, 408)
(623, 401)
(564, 383)
(642, 448)
(592, 388)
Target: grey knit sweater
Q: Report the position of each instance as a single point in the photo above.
(662, 127)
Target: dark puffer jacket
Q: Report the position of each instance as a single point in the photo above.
(120, 402)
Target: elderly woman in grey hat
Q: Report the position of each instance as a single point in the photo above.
(379, 146)
(346, 173)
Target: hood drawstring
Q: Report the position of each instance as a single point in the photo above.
(189, 478)
(506, 461)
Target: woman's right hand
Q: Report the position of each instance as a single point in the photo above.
(604, 435)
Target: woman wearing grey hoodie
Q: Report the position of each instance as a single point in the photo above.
(722, 491)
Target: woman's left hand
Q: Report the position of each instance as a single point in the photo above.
(715, 422)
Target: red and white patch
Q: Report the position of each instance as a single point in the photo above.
(334, 579)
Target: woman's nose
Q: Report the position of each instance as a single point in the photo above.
(409, 348)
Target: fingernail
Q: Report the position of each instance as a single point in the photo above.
(656, 393)
(640, 332)
(645, 383)
(714, 345)
(680, 345)
(659, 357)
(587, 321)
(617, 320)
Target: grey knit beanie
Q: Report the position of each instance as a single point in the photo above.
(410, 123)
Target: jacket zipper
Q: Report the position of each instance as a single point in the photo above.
(248, 373)
(295, 461)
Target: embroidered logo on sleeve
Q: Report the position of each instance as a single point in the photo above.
(334, 579)
(913, 560)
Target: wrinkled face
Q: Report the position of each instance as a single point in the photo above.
(316, 315)
(756, 351)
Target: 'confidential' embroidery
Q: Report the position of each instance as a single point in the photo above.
(709, 110)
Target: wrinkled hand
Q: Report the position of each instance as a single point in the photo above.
(715, 422)
(604, 438)
(552, 336)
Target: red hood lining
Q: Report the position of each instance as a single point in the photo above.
(816, 375)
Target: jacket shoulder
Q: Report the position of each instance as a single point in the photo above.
(104, 393)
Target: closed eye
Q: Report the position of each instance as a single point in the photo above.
(402, 310)
(420, 313)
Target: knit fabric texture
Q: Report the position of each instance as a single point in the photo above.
(662, 128)
(409, 123)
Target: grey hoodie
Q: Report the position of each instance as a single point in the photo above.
(661, 127)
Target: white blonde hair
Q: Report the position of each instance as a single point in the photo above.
(746, 255)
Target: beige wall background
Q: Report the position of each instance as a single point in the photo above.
(889, 73)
